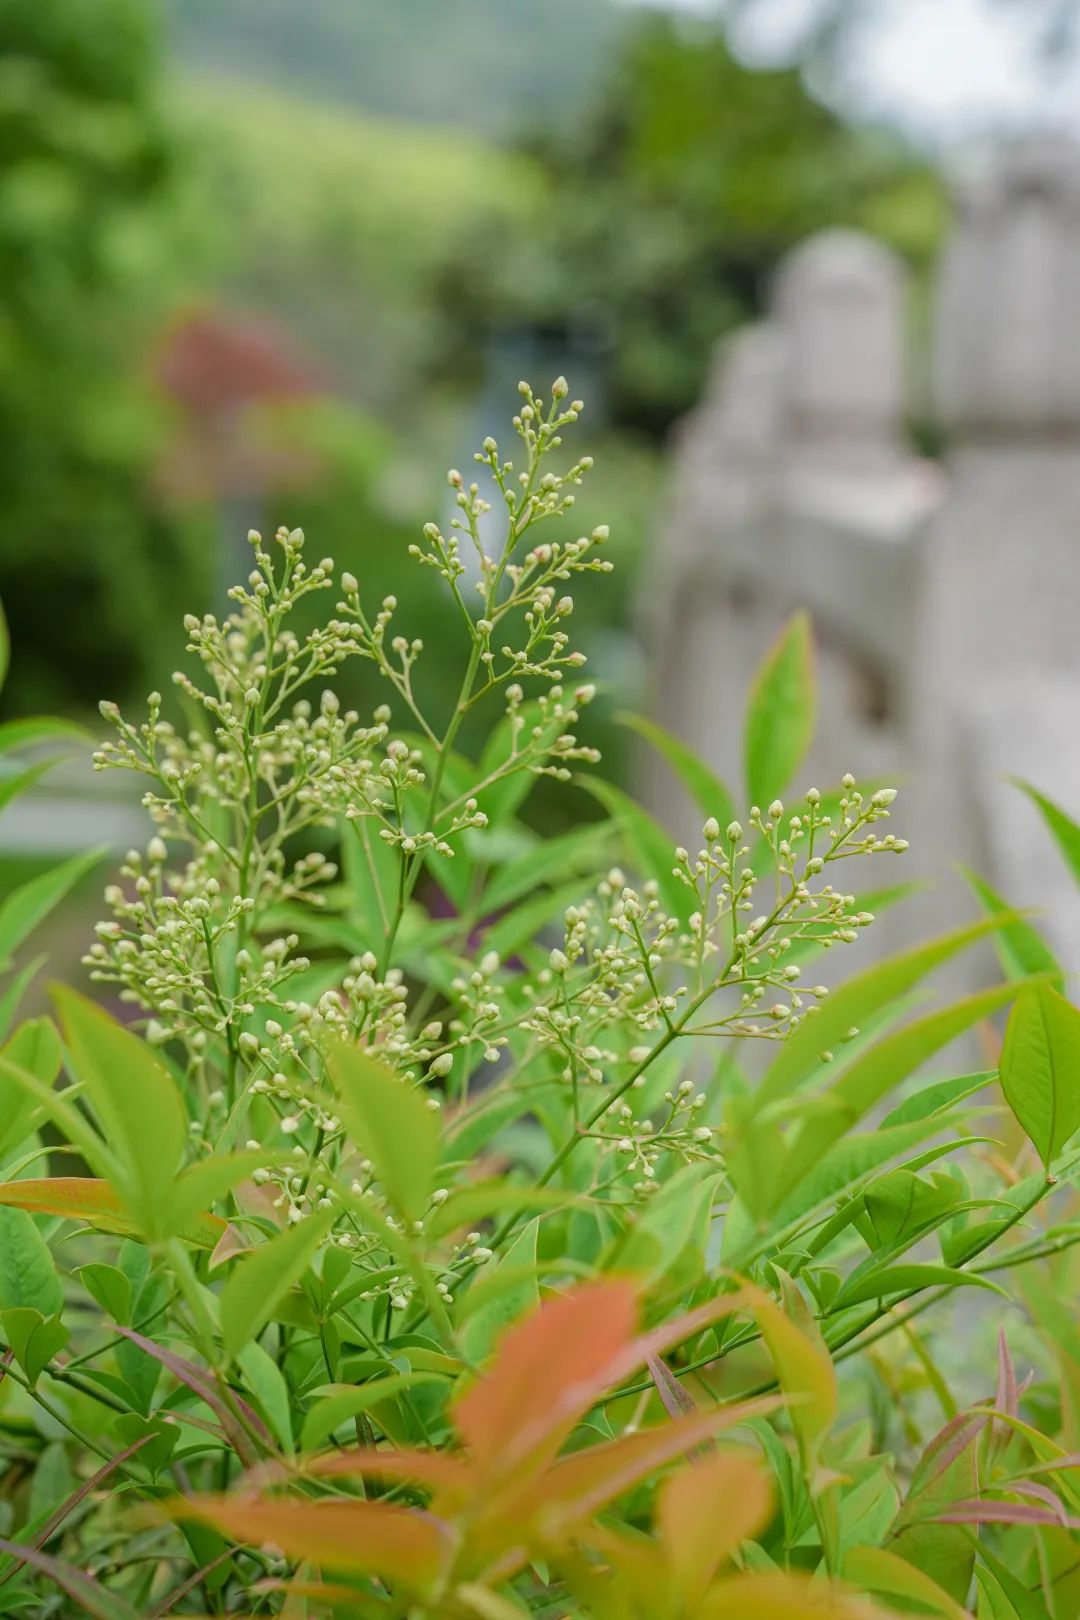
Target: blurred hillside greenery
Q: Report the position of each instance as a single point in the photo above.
(489, 65)
(408, 197)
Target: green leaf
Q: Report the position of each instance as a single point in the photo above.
(781, 713)
(391, 1123)
(504, 744)
(1065, 831)
(155, 1454)
(672, 1222)
(1018, 1602)
(936, 1098)
(33, 729)
(709, 793)
(34, 1339)
(908, 1280)
(901, 1205)
(518, 927)
(136, 1101)
(650, 846)
(111, 1288)
(581, 849)
(883, 1574)
(371, 870)
(509, 1291)
(19, 782)
(873, 1075)
(34, 1048)
(857, 1001)
(267, 1383)
(474, 1127)
(12, 996)
(1040, 1069)
(477, 1201)
(200, 1186)
(1021, 949)
(27, 1271)
(754, 1149)
(31, 903)
(331, 1412)
(259, 1280)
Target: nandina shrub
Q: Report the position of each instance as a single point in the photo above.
(479, 1224)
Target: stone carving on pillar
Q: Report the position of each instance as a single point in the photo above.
(793, 487)
(999, 687)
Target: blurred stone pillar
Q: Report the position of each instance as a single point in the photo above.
(999, 672)
(793, 487)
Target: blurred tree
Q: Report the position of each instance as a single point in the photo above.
(88, 566)
(665, 215)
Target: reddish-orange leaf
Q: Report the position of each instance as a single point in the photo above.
(703, 1514)
(402, 1544)
(88, 1199)
(547, 1373)
(578, 1486)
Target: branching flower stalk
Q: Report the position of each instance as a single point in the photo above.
(211, 928)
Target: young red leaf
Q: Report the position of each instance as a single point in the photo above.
(576, 1487)
(705, 1512)
(88, 1199)
(403, 1545)
(545, 1376)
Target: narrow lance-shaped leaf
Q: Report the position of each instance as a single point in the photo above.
(1021, 949)
(710, 795)
(30, 730)
(1040, 1069)
(503, 1305)
(31, 903)
(781, 713)
(390, 1121)
(337, 1408)
(650, 846)
(376, 1538)
(136, 1101)
(704, 1513)
(857, 1001)
(1065, 831)
(85, 1198)
(873, 1075)
(260, 1280)
(34, 1048)
(803, 1365)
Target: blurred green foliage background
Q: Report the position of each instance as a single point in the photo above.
(265, 262)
